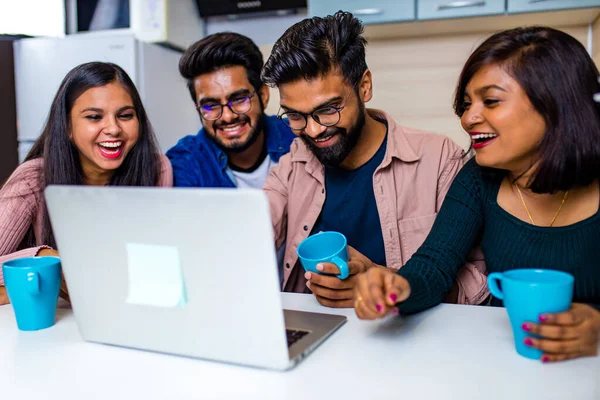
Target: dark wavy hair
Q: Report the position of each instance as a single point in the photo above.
(314, 47)
(61, 163)
(221, 50)
(560, 80)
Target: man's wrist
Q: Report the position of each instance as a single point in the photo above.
(3, 295)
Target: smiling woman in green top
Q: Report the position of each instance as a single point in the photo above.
(531, 195)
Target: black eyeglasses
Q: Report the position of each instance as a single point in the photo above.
(239, 105)
(326, 116)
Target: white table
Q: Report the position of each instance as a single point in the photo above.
(449, 352)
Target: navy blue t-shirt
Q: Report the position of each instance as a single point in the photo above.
(350, 207)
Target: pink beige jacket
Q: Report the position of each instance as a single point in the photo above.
(22, 207)
(409, 185)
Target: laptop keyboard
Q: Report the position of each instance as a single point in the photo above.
(294, 335)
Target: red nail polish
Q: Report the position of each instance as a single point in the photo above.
(378, 307)
(525, 327)
(395, 312)
(393, 297)
(528, 342)
(543, 318)
(545, 359)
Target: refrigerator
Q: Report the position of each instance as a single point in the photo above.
(42, 63)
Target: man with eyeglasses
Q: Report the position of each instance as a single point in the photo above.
(238, 144)
(354, 170)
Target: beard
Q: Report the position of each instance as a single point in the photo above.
(239, 147)
(335, 154)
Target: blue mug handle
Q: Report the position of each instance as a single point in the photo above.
(343, 266)
(493, 280)
(33, 283)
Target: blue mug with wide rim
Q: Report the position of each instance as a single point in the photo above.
(528, 293)
(33, 286)
(331, 247)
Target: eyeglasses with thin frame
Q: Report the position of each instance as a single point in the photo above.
(239, 105)
(326, 116)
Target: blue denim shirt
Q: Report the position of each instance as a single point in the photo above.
(198, 162)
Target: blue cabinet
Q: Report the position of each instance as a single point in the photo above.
(438, 9)
(385, 11)
(519, 6)
(368, 11)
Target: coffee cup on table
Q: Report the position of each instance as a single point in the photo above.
(528, 293)
(33, 285)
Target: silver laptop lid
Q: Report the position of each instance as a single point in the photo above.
(183, 271)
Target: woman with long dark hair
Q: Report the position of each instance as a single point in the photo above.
(531, 195)
(97, 133)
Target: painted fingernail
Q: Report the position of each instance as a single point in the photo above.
(320, 267)
(379, 308)
(395, 312)
(526, 327)
(543, 318)
(528, 342)
(545, 359)
(307, 276)
(393, 297)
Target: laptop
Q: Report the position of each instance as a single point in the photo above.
(191, 272)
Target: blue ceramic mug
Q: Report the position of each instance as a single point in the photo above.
(322, 247)
(527, 293)
(33, 285)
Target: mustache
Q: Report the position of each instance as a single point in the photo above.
(239, 119)
(326, 134)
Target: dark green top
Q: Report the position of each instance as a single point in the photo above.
(470, 214)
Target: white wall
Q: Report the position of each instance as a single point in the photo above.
(32, 17)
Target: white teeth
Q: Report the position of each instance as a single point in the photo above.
(323, 139)
(232, 128)
(484, 136)
(110, 145)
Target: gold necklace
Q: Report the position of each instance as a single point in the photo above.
(527, 209)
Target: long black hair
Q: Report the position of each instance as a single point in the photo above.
(61, 163)
(560, 79)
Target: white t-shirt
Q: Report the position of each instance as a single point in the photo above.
(255, 179)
